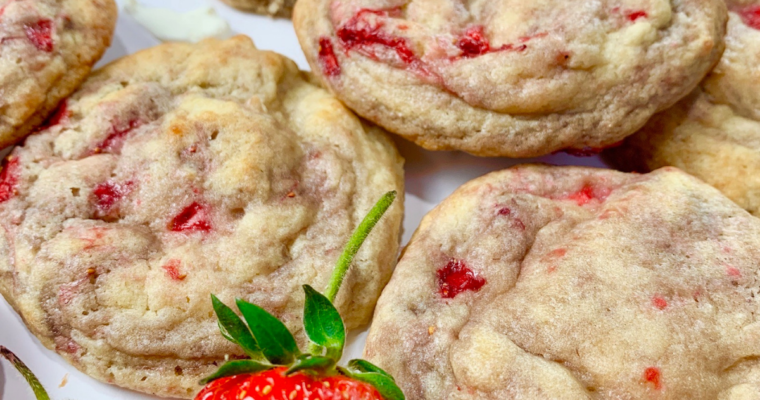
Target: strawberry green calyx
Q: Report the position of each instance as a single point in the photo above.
(269, 345)
(37, 388)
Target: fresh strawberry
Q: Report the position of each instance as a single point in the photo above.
(39, 391)
(276, 368)
(276, 384)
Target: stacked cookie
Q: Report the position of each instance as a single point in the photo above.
(185, 170)
(714, 133)
(511, 78)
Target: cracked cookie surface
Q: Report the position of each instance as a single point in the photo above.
(47, 48)
(714, 133)
(180, 171)
(542, 282)
(511, 78)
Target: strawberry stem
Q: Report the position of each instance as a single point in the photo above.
(39, 391)
(355, 242)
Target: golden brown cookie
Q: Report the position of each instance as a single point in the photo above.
(511, 78)
(177, 172)
(542, 282)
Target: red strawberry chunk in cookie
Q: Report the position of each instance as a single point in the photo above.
(456, 277)
(193, 218)
(659, 302)
(587, 194)
(652, 375)
(751, 16)
(172, 269)
(474, 42)
(733, 271)
(40, 34)
(363, 32)
(116, 137)
(107, 194)
(635, 15)
(558, 253)
(584, 196)
(9, 179)
(328, 58)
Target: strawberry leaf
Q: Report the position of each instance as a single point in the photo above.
(366, 366)
(381, 381)
(273, 337)
(311, 362)
(234, 330)
(237, 367)
(323, 324)
(37, 388)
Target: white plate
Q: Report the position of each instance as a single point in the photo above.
(430, 177)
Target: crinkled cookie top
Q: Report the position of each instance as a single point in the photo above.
(575, 283)
(47, 48)
(515, 78)
(180, 171)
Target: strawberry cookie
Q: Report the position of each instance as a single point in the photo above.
(544, 282)
(714, 133)
(180, 171)
(47, 48)
(511, 78)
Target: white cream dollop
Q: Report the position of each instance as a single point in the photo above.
(172, 26)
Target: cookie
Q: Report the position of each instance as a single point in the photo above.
(714, 133)
(177, 172)
(47, 48)
(275, 8)
(511, 78)
(542, 282)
